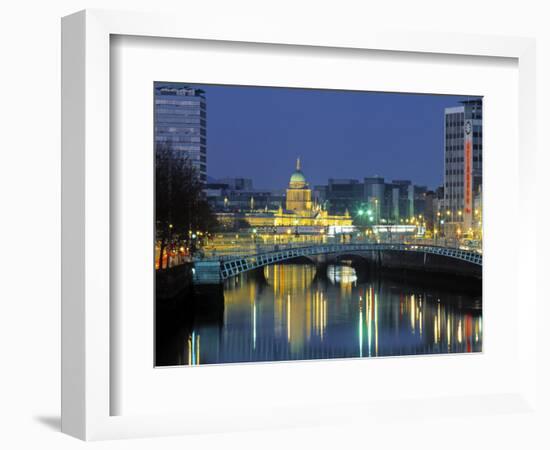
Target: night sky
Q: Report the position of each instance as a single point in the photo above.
(257, 132)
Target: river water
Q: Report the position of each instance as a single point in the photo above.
(291, 312)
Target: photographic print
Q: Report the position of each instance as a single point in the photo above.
(301, 224)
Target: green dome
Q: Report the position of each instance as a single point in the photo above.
(298, 177)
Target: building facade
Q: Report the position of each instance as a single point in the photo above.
(295, 213)
(180, 122)
(398, 201)
(238, 194)
(403, 200)
(343, 195)
(298, 194)
(375, 195)
(463, 166)
(340, 203)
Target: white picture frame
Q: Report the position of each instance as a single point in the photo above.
(87, 385)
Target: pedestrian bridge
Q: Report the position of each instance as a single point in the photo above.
(215, 271)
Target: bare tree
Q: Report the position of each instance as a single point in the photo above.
(180, 206)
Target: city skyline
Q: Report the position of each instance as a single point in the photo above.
(258, 132)
(295, 224)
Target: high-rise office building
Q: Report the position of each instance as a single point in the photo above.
(463, 163)
(180, 122)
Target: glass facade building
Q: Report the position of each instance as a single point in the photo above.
(180, 122)
(390, 202)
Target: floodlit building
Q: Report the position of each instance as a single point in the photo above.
(298, 194)
(297, 214)
(463, 165)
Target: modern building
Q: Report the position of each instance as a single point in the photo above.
(375, 196)
(238, 184)
(463, 165)
(344, 195)
(420, 200)
(402, 200)
(396, 202)
(180, 122)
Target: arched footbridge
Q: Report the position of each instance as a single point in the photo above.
(214, 271)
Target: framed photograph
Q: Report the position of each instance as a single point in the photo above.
(281, 228)
(330, 262)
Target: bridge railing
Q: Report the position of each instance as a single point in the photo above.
(248, 249)
(235, 266)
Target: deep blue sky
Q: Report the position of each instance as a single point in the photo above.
(258, 133)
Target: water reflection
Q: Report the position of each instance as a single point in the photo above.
(341, 274)
(292, 312)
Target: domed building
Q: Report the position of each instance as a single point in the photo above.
(298, 195)
(297, 214)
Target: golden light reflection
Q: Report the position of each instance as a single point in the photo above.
(437, 337)
(293, 309)
(478, 329)
(371, 321)
(412, 312)
(344, 276)
(449, 333)
(288, 334)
